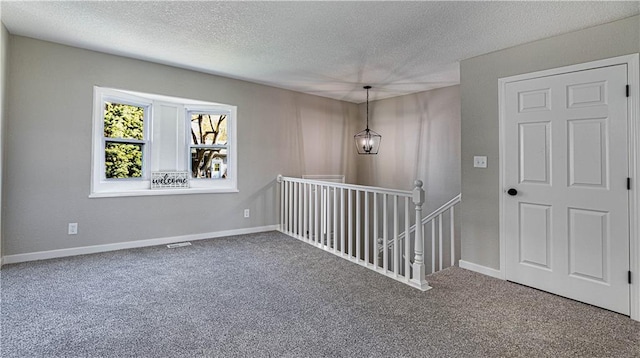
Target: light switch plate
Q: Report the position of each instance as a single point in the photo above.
(73, 229)
(480, 162)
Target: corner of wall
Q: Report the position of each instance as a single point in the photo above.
(4, 45)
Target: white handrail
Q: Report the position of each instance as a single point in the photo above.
(371, 189)
(441, 210)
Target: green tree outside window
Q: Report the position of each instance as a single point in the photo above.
(123, 124)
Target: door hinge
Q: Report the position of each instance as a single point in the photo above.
(628, 183)
(629, 276)
(627, 90)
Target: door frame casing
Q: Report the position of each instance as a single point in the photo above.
(633, 72)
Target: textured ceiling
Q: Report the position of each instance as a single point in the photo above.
(329, 49)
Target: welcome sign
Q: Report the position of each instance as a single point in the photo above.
(173, 180)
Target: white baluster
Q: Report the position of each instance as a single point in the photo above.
(295, 208)
(407, 236)
(316, 222)
(375, 230)
(323, 216)
(342, 248)
(358, 237)
(433, 245)
(452, 234)
(300, 210)
(335, 219)
(290, 209)
(286, 207)
(385, 239)
(305, 222)
(309, 217)
(440, 241)
(396, 252)
(311, 213)
(350, 214)
(366, 228)
(327, 217)
(424, 233)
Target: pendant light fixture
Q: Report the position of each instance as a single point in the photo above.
(367, 141)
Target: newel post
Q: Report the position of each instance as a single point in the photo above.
(418, 280)
(279, 180)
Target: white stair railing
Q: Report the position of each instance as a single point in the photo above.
(346, 219)
(437, 235)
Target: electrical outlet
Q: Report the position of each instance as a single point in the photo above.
(480, 162)
(73, 228)
(247, 213)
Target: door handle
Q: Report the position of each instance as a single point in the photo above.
(512, 192)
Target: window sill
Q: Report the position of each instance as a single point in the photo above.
(155, 192)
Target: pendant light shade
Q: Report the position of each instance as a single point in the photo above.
(367, 141)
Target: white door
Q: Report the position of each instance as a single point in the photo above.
(566, 155)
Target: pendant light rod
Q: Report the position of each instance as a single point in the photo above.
(367, 88)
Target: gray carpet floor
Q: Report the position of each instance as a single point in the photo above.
(268, 295)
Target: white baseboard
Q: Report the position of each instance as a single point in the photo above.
(74, 251)
(480, 269)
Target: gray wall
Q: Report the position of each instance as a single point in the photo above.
(48, 149)
(4, 45)
(420, 140)
(479, 93)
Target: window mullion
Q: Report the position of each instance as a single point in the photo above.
(147, 148)
(209, 146)
(125, 141)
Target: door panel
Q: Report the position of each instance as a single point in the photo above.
(535, 100)
(535, 235)
(566, 152)
(588, 146)
(587, 94)
(588, 243)
(534, 152)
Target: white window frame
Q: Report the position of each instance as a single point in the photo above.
(113, 187)
(213, 110)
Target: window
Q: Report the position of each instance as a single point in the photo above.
(135, 134)
(124, 139)
(209, 145)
